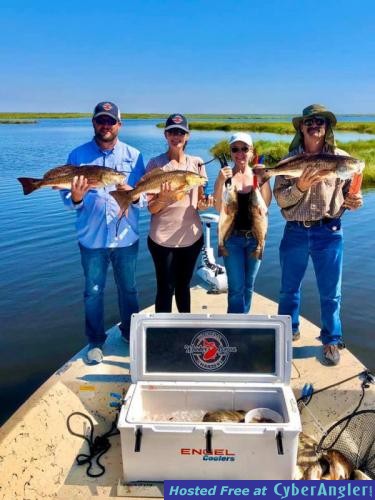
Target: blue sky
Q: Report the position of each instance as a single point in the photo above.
(212, 56)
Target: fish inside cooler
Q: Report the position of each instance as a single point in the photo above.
(171, 403)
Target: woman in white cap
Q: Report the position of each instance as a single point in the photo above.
(241, 266)
(176, 238)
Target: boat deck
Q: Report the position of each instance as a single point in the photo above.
(37, 453)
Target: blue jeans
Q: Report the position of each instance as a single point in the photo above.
(324, 244)
(241, 269)
(95, 264)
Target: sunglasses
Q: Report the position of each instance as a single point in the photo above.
(318, 120)
(243, 149)
(176, 131)
(105, 120)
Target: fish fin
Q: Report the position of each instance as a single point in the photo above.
(29, 185)
(151, 174)
(180, 194)
(315, 471)
(222, 251)
(123, 198)
(286, 161)
(258, 253)
(57, 171)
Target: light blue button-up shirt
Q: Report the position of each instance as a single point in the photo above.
(97, 220)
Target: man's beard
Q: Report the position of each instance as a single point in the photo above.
(108, 137)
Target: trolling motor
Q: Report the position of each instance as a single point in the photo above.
(209, 271)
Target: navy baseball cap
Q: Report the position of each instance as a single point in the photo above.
(108, 109)
(177, 121)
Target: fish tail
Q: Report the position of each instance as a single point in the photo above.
(29, 185)
(222, 251)
(123, 198)
(258, 253)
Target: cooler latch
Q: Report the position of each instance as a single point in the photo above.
(279, 443)
(209, 441)
(138, 439)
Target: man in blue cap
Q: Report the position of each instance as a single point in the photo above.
(312, 208)
(103, 235)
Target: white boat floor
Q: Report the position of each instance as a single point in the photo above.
(37, 453)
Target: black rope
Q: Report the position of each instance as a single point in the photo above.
(306, 400)
(367, 379)
(364, 385)
(348, 417)
(97, 446)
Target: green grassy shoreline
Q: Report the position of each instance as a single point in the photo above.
(274, 151)
(276, 127)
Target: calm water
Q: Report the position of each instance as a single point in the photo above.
(41, 278)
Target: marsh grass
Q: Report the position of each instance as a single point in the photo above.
(277, 127)
(365, 150)
(30, 116)
(272, 127)
(275, 151)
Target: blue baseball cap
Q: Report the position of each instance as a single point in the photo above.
(107, 108)
(177, 121)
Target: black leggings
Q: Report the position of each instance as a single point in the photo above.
(174, 268)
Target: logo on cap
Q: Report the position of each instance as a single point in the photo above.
(177, 119)
(107, 106)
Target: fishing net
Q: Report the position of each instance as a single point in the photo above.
(354, 437)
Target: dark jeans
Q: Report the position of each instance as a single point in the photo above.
(324, 244)
(95, 264)
(174, 269)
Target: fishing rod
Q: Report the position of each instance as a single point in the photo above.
(224, 163)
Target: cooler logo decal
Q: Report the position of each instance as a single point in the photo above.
(217, 454)
(209, 350)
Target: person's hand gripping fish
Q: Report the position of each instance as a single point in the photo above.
(168, 195)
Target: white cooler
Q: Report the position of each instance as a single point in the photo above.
(184, 365)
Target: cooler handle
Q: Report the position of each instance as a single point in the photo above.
(279, 443)
(209, 441)
(138, 439)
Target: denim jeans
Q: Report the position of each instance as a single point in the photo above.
(95, 264)
(325, 246)
(241, 269)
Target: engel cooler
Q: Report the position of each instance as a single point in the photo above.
(184, 365)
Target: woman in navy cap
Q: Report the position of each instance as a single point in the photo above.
(176, 238)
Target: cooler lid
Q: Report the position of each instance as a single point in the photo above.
(211, 348)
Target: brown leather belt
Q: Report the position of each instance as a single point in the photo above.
(312, 223)
(247, 233)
